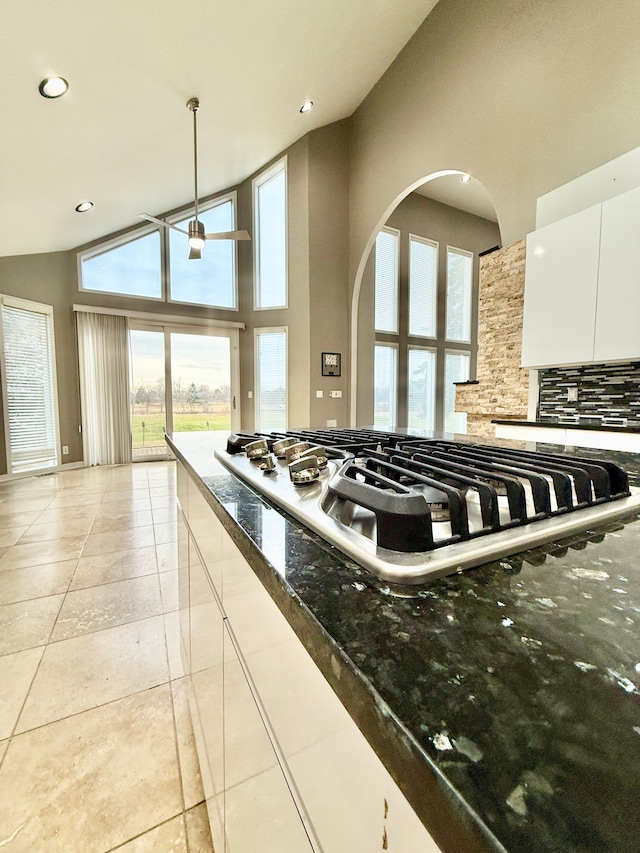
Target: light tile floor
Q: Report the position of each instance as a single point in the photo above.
(96, 745)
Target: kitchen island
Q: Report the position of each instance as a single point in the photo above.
(502, 700)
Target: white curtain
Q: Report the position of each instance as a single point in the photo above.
(103, 348)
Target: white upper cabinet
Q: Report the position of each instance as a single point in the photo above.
(561, 283)
(582, 287)
(617, 334)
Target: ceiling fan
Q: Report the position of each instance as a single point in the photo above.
(196, 234)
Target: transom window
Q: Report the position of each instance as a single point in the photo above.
(134, 265)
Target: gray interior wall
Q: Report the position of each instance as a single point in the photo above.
(448, 227)
(523, 96)
(329, 268)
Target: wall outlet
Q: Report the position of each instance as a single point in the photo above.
(335, 393)
(65, 449)
(319, 393)
(250, 394)
(572, 394)
(332, 422)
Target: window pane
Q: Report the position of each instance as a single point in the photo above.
(423, 285)
(271, 242)
(456, 369)
(211, 279)
(421, 387)
(132, 269)
(147, 393)
(384, 386)
(459, 272)
(271, 379)
(386, 281)
(201, 382)
(30, 391)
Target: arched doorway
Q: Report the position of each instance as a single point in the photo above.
(409, 342)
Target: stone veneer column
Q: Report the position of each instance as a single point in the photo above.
(503, 386)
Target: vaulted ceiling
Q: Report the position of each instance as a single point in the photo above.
(122, 135)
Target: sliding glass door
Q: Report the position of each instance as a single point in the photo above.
(181, 381)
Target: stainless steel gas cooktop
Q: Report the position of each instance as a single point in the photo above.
(409, 509)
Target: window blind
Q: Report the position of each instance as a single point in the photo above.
(271, 379)
(386, 281)
(459, 273)
(423, 286)
(270, 199)
(384, 386)
(421, 389)
(30, 388)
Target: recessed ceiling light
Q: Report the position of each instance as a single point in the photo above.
(84, 206)
(306, 106)
(53, 87)
(464, 179)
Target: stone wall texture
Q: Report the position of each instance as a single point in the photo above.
(503, 386)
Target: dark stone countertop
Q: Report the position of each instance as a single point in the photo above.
(560, 424)
(504, 700)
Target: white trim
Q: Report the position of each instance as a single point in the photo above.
(164, 319)
(264, 177)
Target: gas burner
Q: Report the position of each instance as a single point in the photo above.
(410, 509)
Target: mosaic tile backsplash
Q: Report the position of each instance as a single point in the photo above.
(607, 394)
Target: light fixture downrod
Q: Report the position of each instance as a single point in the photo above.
(193, 104)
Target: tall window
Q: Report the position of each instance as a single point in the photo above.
(459, 279)
(421, 388)
(211, 280)
(424, 341)
(271, 378)
(456, 369)
(131, 268)
(270, 237)
(29, 385)
(386, 280)
(423, 286)
(385, 371)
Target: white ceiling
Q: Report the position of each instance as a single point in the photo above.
(470, 196)
(122, 136)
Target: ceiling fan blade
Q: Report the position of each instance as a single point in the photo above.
(228, 235)
(162, 222)
(195, 254)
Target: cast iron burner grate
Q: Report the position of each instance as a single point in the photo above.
(409, 508)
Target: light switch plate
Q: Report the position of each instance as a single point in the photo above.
(319, 393)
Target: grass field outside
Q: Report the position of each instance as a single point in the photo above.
(152, 433)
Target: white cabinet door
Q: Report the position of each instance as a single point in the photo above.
(207, 690)
(617, 334)
(561, 282)
(260, 812)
